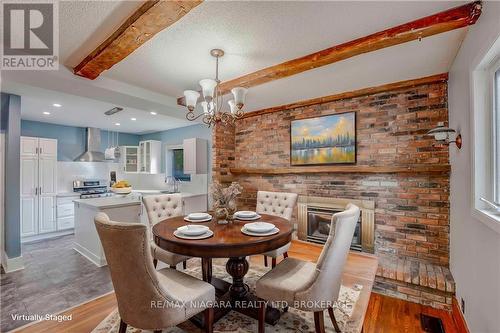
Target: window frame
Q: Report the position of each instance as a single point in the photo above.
(184, 177)
(169, 156)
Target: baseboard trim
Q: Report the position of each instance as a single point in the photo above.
(12, 264)
(89, 255)
(458, 317)
(31, 239)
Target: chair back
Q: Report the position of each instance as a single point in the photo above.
(164, 206)
(331, 262)
(279, 204)
(127, 250)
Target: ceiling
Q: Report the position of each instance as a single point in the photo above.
(254, 34)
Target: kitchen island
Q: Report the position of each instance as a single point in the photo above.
(118, 208)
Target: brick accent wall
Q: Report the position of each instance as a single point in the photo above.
(411, 210)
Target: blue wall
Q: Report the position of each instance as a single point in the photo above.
(177, 135)
(70, 140)
(11, 126)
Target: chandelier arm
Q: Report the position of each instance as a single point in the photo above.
(191, 116)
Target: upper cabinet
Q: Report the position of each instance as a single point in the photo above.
(195, 156)
(129, 158)
(150, 156)
(47, 147)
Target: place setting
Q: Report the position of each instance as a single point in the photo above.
(259, 229)
(193, 231)
(246, 215)
(198, 217)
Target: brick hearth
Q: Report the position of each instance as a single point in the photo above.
(411, 210)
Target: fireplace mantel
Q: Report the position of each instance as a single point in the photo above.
(367, 208)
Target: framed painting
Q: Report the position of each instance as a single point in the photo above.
(329, 139)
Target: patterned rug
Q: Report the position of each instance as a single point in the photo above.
(234, 322)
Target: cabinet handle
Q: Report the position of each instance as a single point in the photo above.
(40, 190)
(40, 150)
(36, 190)
(36, 150)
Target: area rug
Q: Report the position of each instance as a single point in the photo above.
(234, 322)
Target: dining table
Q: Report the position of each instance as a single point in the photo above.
(227, 241)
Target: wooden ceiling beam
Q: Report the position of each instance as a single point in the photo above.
(448, 20)
(152, 17)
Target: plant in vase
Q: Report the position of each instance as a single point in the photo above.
(224, 200)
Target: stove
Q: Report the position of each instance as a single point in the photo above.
(91, 188)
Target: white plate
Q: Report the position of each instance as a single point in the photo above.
(207, 234)
(208, 219)
(259, 227)
(193, 230)
(246, 214)
(260, 234)
(247, 218)
(198, 216)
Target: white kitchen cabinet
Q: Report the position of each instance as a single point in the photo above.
(129, 158)
(38, 186)
(150, 156)
(195, 156)
(65, 212)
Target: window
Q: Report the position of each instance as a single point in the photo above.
(178, 165)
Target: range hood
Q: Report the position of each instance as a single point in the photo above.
(92, 146)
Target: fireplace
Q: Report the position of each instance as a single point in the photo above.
(315, 216)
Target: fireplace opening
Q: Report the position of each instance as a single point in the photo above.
(319, 223)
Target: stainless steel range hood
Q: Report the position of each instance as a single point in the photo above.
(92, 147)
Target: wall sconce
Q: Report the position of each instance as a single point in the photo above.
(442, 135)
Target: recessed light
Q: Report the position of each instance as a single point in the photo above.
(57, 105)
(117, 124)
(153, 113)
(46, 113)
(134, 119)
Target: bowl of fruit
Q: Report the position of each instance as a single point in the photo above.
(121, 187)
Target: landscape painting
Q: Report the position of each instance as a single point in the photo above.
(324, 140)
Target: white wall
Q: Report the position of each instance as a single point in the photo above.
(474, 247)
(2, 188)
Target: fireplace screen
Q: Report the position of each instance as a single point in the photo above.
(318, 226)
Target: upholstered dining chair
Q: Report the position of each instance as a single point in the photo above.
(149, 299)
(160, 207)
(279, 204)
(308, 286)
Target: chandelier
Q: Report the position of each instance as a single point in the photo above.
(212, 100)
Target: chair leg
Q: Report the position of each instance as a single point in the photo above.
(184, 264)
(173, 266)
(273, 262)
(285, 255)
(155, 262)
(157, 331)
(285, 309)
(265, 261)
(209, 320)
(334, 320)
(319, 323)
(262, 317)
(123, 327)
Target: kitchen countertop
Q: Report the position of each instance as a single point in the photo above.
(157, 192)
(67, 194)
(109, 202)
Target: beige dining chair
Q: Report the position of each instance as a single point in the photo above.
(160, 207)
(308, 286)
(149, 299)
(279, 204)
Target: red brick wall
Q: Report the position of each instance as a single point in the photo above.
(412, 211)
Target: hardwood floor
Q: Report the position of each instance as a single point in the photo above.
(385, 314)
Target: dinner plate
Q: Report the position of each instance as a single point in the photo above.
(259, 234)
(207, 234)
(247, 218)
(259, 227)
(198, 216)
(246, 214)
(193, 230)
(208, 219)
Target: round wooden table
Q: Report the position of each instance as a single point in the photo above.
(227, 242)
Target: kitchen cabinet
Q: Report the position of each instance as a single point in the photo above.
(150, 156)
(38, 185)
(66, 212)
(129, 158)
(195, 156)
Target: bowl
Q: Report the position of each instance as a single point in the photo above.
(198, 216)
(245, 214)
(121, 190)
(193, 229)
(260, 227)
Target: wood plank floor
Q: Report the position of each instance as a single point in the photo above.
(385, 314)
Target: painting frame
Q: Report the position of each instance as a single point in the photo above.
(354, 114)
